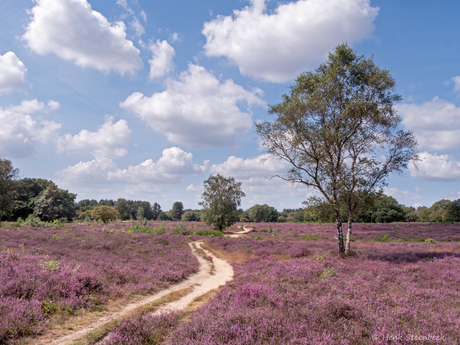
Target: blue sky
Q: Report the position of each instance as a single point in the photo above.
(145, 99)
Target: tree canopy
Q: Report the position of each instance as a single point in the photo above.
(7, 176)
(105, 213)
(339, 131)
(220, 200)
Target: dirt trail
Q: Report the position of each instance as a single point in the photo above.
(202, 282)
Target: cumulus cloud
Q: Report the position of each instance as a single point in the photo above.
(21, 130)
(73, 31)
(278, 46)
(162, 59)
(436, 124)
(91, 172)
(255, 174)
(12, 72)
(436, 168)
(260, 166)
(174, 165)
(198, 110)
(109, 141)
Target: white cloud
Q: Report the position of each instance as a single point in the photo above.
(260, 166)
(174, 37)
(197, 110)
(456, 81)
(174, 166)
(144, 16)
(109, 141)
(403, 194)
(73, 31)
(193, 188)
(278, 46)
(91, 172)
(138, 27)
(20, 132)
(436, 124)
(436, 168)
(162, 59)
(12, 72)
(255, 174)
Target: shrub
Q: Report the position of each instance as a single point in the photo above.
(105, 213)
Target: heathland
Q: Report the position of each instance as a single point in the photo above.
(400, 284)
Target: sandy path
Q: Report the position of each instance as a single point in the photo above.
(202, 282)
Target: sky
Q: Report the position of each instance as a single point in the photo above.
(145, 100)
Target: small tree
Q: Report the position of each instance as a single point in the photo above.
(177, 211)
(105, 213)
(156, 210)
(220, 201)
(339, 132)
(7, 175)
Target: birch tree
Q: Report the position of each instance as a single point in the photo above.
(339, 131)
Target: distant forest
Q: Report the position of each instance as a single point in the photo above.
(43, 199)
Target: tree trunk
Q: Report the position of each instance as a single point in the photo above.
(350, 224)
(339, 232)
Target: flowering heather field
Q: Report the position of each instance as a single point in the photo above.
(46, 272)
(288, 290)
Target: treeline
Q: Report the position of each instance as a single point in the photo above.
(138, 210)
(43, 199)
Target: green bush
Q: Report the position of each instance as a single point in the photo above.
(327, 273)
(383, 239)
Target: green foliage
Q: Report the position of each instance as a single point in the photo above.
(31, 220)
(328, 273)
(430, 240)
(7, 176)
(177, 211)
(220, 201)
(104, 213)
(55, 203)
(156, 210)
(122, 207)
(340, 131)
(384, 238)
(262, 214)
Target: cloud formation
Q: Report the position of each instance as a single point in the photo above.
(73, 31)
(21, 131)
(162, 60)
(436, 168)
(436, 124)
(91, 172)
(197, 110)
(456, 81)
(255, 174)
(108, 142)
(278, 46)
(12, 72)
(172, 167)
